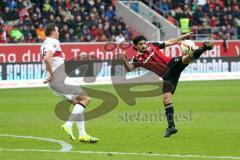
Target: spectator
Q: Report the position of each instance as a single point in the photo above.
(110, 13)
(40, 32)
(46, 6)
(25, 31)
(81, 20)
(213, 22)
(220, 17)
(29, 39)
(3, 34)
(201, 2)
(103, 38)
(11, 4)
(94, 31)
(120, 38)
(165, 6)
(112, 30)
(16, 35)
(3, 5)
(9, 15)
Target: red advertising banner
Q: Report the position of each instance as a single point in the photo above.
(10, 53)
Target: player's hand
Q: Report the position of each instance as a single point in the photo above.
(189, 34)
(48, 79)
(123, 57)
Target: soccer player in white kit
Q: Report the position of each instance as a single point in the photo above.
(54, 65)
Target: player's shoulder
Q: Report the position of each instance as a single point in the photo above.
(157, 44)
(150, 44)
(51, 40)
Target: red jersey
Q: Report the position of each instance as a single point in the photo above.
(152, 59)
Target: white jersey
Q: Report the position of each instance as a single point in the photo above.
(53, 45)
(57, 85)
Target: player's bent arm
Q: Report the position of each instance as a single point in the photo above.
(47, 61)
(128, 66)
(173, 41)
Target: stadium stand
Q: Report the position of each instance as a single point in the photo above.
(78, 21)
(219, 19)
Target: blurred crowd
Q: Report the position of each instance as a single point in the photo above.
(78, 21)
(219, 18)
(96, 21)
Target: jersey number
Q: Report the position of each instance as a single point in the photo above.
(43, 53)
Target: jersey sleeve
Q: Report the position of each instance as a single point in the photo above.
(159, 45)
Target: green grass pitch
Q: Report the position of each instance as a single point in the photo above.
(208, 124)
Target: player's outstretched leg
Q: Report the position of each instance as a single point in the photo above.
(198, 52)
(170, 131)
(83, 136)
(208, 45)
(67, 127)
(169, 111)
(80, 101)
(68, 131)
(88, 139)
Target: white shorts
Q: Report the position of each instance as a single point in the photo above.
(65, 90)
(65, 96)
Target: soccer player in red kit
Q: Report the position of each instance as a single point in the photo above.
(151, 58)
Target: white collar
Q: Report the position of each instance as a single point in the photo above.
(50, 38)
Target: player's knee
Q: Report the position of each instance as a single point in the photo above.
(166, 99)
(87, 99)
(186, 59)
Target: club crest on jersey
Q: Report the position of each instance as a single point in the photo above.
(149, 49)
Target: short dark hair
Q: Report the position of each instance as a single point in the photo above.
(49, 28)
(138, 39)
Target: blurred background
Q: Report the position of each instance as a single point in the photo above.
(106, 20)
(92, 34)
(105, 28)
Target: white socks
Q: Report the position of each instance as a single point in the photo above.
(81, 125)
(78, 117)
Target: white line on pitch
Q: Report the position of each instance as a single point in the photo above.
(64, 146)
(125, 153)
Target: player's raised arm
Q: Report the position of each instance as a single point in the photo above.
(173, 41)
(128, 66)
